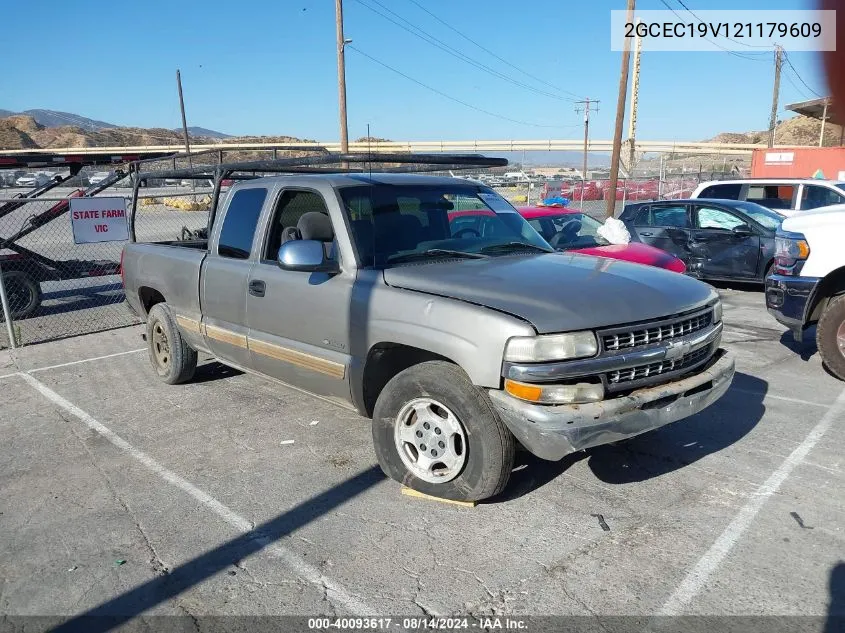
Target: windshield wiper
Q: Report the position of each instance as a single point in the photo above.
(508, 247)
(433, 253)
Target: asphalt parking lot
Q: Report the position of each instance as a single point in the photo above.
(232, 495)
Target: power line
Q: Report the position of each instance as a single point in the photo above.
(437, 43)
(801, 91)
(714, 43)
(450, 97)
(797, 74)
(489, 52)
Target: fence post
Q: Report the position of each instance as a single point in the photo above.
(7, 313)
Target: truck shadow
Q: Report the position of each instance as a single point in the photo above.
(806, 348)
(658, 452)
(835, 622)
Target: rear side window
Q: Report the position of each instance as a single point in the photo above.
(670, 216)
(772, 196)
(240, 222)
(642, 218)
(728, 191)
(815, 196)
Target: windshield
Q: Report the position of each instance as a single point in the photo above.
(762, 215)
(569, 231)
(395, 223)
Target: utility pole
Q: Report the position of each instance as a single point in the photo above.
(185, 128)
(587, 103)
(632, 113)
(182, 108)
(610, 209)
(341, 75)
(824, 119)
(775, 93)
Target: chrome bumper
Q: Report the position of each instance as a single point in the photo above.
(551, 432)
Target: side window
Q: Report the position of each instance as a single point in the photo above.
(240, 221)
(292, 205)
(670, 216)
(771, 196)
(815, 196)
(727, 191)
(643, 218)
(710, 218)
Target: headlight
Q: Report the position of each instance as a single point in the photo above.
(533, 349)
(790, 249)
(717, 312)
(555, 394)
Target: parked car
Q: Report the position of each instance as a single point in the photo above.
(717, 239)
(32, 179)
(8, 177)
(99, 177)
(354, 288)
(787, 196)
(568, 229)
(808, 282)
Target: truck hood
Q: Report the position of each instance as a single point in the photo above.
(558, 292)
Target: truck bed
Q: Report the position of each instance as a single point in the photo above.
(172, 268)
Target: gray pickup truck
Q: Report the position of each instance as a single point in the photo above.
(429, 305)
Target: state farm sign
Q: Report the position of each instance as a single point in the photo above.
(98, 220)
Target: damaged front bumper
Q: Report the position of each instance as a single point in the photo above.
(551, 432)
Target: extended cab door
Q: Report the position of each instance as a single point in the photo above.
(723, 244)
(299, 321)
(225, 275)
(665, 225)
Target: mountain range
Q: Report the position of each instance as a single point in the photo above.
(55, 118)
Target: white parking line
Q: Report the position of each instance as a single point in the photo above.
(86, 360)
(712, 558)
(303, 569)
(8, 375)
(784, 398)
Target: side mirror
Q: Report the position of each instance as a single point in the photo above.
(742, 230)
(306, 256)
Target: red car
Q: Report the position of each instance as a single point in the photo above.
(570, 230)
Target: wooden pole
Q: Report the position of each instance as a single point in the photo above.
(773, 118)
(341, 76)
(610, 209)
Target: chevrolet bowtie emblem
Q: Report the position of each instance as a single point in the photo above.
(677, 349)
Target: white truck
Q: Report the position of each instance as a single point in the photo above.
(807, 285)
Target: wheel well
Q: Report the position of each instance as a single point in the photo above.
(830, 286)
(149, 297)
(384, 361)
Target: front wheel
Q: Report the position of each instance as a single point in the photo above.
(437, 433)
(830, 336)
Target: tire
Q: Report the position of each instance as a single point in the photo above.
(23, 293)
(830, 336)
(479, 449)
(171, 357)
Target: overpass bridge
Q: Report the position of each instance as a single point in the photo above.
(473, 146)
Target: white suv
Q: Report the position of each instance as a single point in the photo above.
(808, 284)
(787, 196)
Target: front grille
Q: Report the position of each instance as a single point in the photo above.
(640, 335)
(654, 369)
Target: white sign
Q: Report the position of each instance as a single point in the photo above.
(779, 158)
(98, 220)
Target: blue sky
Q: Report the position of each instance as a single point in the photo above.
(256, 67)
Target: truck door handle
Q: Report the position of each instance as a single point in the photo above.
(257, 287)
(646, 233)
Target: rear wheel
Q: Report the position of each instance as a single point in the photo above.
(23, 293)
(172, 358)
(437, 433)
(830, 336)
